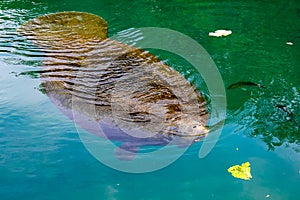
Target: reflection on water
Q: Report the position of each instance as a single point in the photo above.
(271, 115)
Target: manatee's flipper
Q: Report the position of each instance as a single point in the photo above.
(65, 30)
(126, 151)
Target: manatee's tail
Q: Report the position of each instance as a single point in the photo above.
(65, 30)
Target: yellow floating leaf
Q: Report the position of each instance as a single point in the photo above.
(220, 33)
(241, 171)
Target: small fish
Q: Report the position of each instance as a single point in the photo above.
(241, 84)
(288, 112)
(285, 109)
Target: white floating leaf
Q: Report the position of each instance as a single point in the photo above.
(220, 33)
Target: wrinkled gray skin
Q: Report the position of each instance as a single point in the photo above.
(134, 97)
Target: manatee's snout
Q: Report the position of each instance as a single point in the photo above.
(192, 128)
(199, 130)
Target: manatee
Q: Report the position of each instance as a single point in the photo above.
(134, 97)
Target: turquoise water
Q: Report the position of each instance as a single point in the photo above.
(42, 157)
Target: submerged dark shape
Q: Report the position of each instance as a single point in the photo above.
(135, 98)
(241, 84)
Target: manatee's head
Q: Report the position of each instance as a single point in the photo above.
(158, 100)
(188, 120)
(65, 30)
